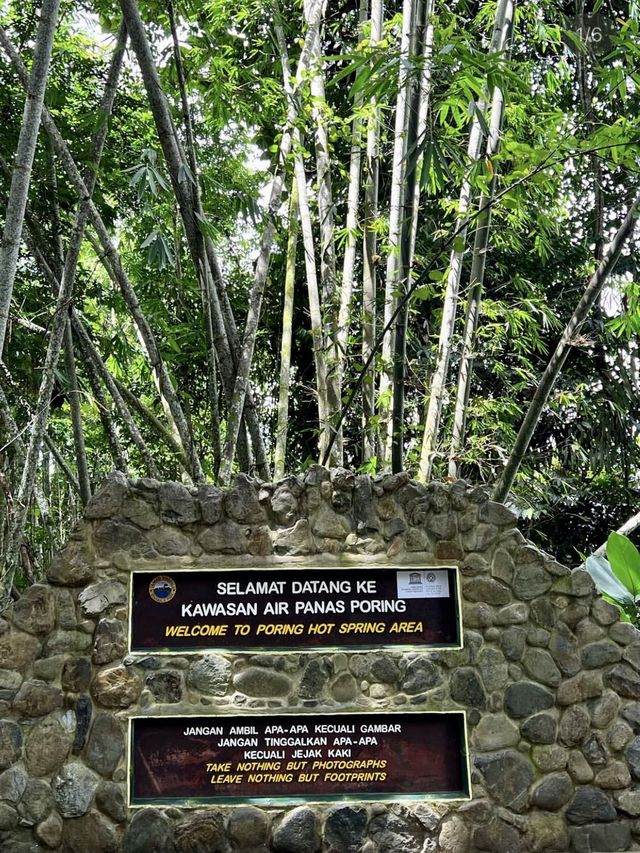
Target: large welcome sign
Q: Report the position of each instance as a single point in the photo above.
(290, 609)
(196, 760)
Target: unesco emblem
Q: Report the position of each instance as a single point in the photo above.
(162, 589)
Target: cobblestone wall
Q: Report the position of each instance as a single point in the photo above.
(548, 676)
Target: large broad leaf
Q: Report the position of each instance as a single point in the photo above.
(606, 581)
(625, 561)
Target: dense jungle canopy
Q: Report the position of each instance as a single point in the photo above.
(255, 235)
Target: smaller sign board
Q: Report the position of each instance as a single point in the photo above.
(294, 609)
(298, 758)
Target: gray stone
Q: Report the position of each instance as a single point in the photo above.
(629, 802)
(109, 641)
(486, 590)
(344, 688)
(547, 833)
(166, 686)
(107, 500)
(73, 789)
(114, 535)
(384, 669)
(604, 709)
(18, 650)
(49, 832)
(624, 633)
(261, 682)
(10, 743)
(498, 514)
(513, 614)
(37, 698)
(248, 827)
(614, 777)
(284, 505)
(396, 830)
(49, 669)
(149, 832)
(177, 504)
(594, 750)
(605, 838)
(241, 502)
(552, 792)
(297, 540)
(421, 675)
(67, 642)
(541, 728)
(498, 837)
(574, 726)
(210, 500)
(605, 613)
(98, 597)
(116, 687)
(344, 829)
(394, 527)
(585, 685)
(366, 518)
(530, 580)
(12, 784)
(34, 612)
(8, 817)
(83, 708)
(619, 736)
(466, 689)
(624, 680)
(495, 731)
(10, 682)
(36, 803)
(298, 832)
(540, 666)
(543, 613)
(493, 669)
(507, 776)
(210, 675)
(632, 755)
(91, 832)
(525, 698)
(632, 655)
(563, 647)
(226, 537)
(512, 642)
(538, 637)
(201, 832)
(631, 713)
(72, 566)
(441, 526)
(314, 679)
(139, 511)
(579, 767)
(76, 675)
(600, 654)
(105, 746)
(590, 805)
(110, 800)
(170, 542)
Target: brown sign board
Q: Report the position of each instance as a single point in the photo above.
(289, 609)
(297, 758)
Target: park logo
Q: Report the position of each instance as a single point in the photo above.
(162, 589)
(431, 577)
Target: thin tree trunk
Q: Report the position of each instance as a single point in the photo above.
(476, 281)
(262, 263)
(326, 222)
(62, 463)
(315, 311)
(280, 452)
(395, 214)
(557, 360)
(73, 391)
(25, 152)
(501, 30)
(405, 256)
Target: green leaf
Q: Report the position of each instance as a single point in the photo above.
(625, 561)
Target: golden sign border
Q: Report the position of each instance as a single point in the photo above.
(274, 802)
(140, 653)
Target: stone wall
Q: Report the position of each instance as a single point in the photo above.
(548, 676)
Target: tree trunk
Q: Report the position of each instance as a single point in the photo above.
(501, 30)
(557, 360)
(395, 214)
(280, 452)
(25, 152)
(262, 263)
